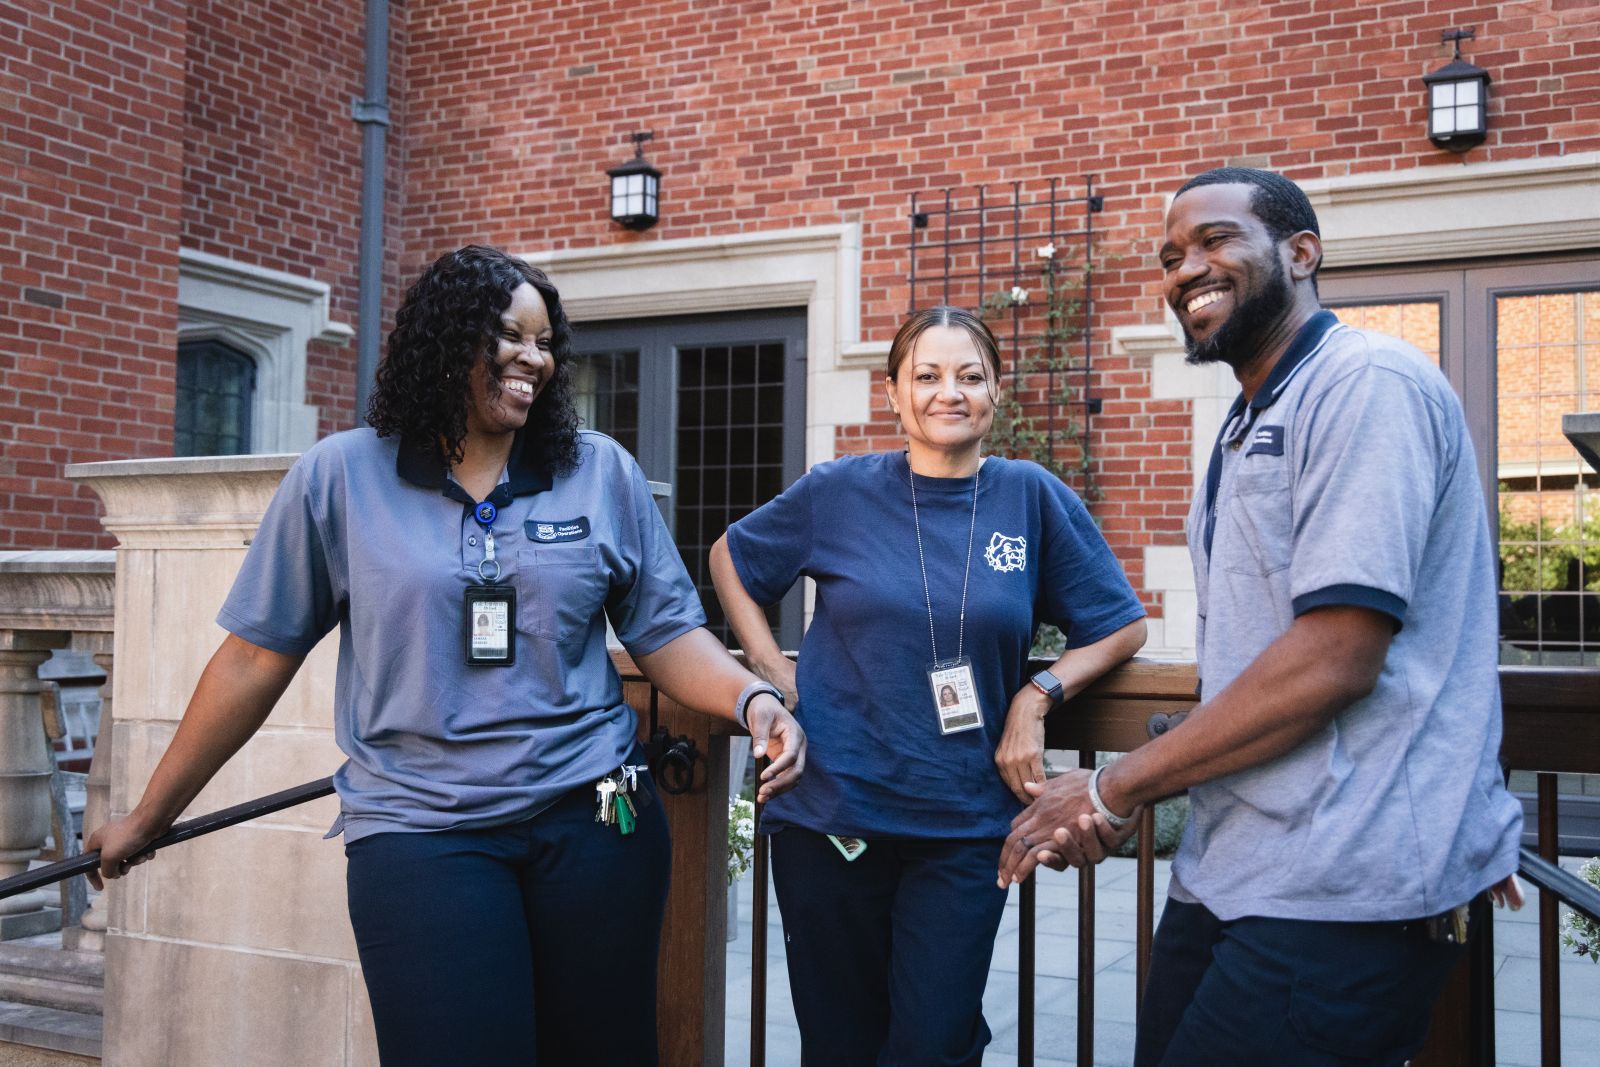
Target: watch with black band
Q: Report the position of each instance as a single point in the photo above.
(1049, 685)
(741, 714)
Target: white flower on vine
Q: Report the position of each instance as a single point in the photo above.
(1047, 251)
(1019, 295)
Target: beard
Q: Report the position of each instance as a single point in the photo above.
(1235, 342)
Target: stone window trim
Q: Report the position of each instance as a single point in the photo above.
(271, 316)
(817, 267)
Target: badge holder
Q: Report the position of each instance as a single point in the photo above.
(955, 696)
(489, 611)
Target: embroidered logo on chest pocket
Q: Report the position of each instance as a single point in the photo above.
(1006, 553)
(1267, 441)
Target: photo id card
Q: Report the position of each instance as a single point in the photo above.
(955, 696)
(489, 617)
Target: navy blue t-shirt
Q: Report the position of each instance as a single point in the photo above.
(877, 765)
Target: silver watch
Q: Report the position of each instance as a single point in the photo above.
(1116, 821)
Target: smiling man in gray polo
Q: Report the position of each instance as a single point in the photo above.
(1342, 764)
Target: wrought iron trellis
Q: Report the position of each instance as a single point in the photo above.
(989, 254)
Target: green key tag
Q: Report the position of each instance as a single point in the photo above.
(850, 848)
(625, 814)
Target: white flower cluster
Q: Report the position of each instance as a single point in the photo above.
(741, 837)
(1579, 933)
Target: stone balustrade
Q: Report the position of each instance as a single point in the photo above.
(246, 930)
(48, 600)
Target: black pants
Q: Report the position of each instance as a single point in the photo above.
(523, 944)
(1271, 992)
(888, 955)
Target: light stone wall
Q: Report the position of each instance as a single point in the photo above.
(235, 948)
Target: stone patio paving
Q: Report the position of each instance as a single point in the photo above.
(1055, 1025)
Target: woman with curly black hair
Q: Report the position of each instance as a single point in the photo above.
(507, 858)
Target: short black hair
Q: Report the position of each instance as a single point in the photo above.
(1279, 203)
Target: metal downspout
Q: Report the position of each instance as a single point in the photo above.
(371, 113)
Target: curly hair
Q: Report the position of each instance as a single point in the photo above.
(450, 317)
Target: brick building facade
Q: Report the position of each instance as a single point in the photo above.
(157, 160)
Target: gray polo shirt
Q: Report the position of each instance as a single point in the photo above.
(373, 537)
(1350, 479)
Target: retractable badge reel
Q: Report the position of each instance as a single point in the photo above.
(489, 610)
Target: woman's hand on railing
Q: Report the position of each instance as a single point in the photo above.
(775, 733)
(119, 842)
(1020, 755)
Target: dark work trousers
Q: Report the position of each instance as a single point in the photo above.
(888, 955)
(1271, 992)
(533, 943)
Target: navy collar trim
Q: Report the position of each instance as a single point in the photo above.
(1306, 342)
(423, 467)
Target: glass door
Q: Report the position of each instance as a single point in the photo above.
(714, 406)
(1521, 345)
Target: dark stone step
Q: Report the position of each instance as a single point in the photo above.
(34, 1026)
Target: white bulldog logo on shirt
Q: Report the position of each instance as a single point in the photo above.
(1006, 553)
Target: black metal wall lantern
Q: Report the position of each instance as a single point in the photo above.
(1458, 100)
(636, 188)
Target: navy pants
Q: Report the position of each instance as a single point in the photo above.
(888, 955)
(533, 943)
(1268, 992)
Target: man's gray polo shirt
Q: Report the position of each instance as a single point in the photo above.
(374, 538)
(1350, 480)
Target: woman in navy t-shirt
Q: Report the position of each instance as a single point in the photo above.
(933, 567)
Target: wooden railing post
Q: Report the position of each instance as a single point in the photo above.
(692, 975)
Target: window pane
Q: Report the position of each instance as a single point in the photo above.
(606, 395)
(1444, 120)
(214, 397)
(1416, 323)
(1549, 502)
(1466, 92)
(1444, 95)
(730, 445)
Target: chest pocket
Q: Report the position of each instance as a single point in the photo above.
(1256, 530)
(563, 589)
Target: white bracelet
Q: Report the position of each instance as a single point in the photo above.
(741, 712)
(1116, 821)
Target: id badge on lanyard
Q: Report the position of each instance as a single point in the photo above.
(955, 693)
(489, 611)
(955, 696)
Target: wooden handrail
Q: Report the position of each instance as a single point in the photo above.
(1551, 714)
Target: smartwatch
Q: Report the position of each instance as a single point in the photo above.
(1049, 685)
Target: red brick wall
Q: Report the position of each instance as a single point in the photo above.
(91, 98)
(226, 127)
(776, 114)
(272, 157)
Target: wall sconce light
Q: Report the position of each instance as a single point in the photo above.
(1458, 100)
(636, 188)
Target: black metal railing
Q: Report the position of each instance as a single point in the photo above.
(1550, 725)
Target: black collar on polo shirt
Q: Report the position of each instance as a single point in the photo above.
(1307, 339)
(423, 467)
